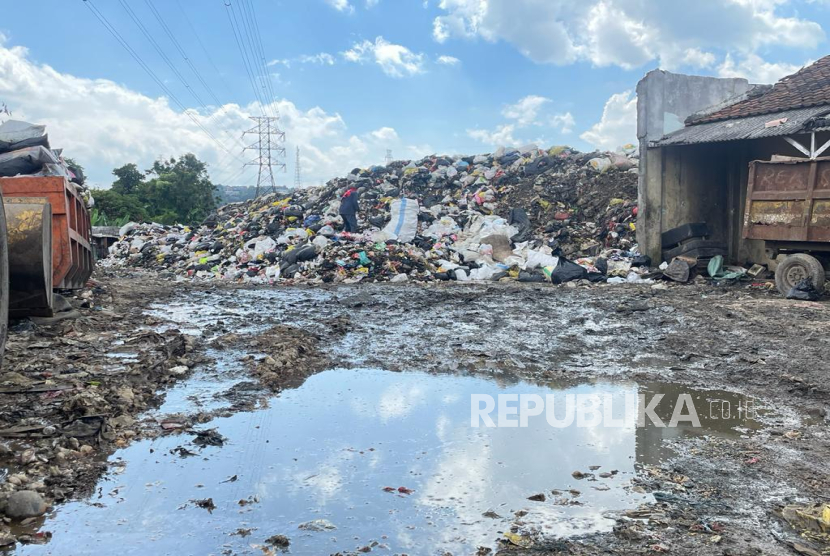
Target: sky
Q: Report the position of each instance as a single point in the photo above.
(351, 79)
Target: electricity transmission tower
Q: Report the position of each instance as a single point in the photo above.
(297, 176)
(270, 145)
(388, 156)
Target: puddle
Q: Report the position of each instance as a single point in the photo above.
(205, 390)
(327, 450)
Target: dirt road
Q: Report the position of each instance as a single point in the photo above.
(337, 420)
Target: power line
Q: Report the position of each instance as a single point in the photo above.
(258, 49)
(170, 64)
(193, 68)
(184, 55)
(231, 13)
(114, 32)
(204, 49)
(158, 49)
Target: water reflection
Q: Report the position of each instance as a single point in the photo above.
(328, 449)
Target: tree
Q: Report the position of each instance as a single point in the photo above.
(129, 179)
(113, 205)
(179, 190)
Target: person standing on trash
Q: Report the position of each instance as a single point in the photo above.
(348, 209)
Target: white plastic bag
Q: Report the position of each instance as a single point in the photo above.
(404, 222)
(536, 259)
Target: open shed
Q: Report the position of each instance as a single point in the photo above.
(697, 137)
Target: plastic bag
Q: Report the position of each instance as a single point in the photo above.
(567, 271)
(804, 291)
(403, 225)
(537, 259)
(600, 164)
(488, 272)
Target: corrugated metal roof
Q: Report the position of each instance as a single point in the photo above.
(751, 127)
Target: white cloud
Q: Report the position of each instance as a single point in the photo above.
(756, 69)
(341, 5)
(395, 60)
(358, 52)
(448, 60)
(104, 125)
(385, 134)
(526, 110)
(614, 38)
(618, 125)
(323, 59)
(565, 122)
(501, 136)
(627, 33)
(697, 58)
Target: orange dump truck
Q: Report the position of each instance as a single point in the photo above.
(44, 244)
(788, 206)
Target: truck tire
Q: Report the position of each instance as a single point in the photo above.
(795, 268)
(4, 281)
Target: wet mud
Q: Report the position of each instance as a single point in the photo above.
(337, 420)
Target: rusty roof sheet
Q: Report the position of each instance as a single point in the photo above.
(807, 87)
(787, 122)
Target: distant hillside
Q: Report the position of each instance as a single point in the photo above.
(234, 194)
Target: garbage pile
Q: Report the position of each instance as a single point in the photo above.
(25, 151)
(525, 214)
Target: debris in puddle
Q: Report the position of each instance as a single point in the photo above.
(205, 503)
(278, 541)
(317, 525)
(209, 437)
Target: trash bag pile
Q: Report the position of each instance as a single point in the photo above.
(526, 214)
(25, 151)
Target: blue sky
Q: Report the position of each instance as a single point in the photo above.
(352, 78)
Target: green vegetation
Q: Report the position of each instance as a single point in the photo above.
(174, 191)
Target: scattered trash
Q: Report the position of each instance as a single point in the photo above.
(804, 290)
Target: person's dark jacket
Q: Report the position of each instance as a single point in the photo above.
(348, 202)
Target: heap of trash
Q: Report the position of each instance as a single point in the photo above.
(525, 214)
(25, 151)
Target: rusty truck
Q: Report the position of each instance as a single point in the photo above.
(788, 206)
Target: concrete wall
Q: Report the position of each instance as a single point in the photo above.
(664, 101)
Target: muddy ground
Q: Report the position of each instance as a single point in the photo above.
(74, 392)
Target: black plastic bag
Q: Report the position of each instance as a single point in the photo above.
(804, 291)
(641, 260)
(529, 276)
(567, 271)
(518, 218)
